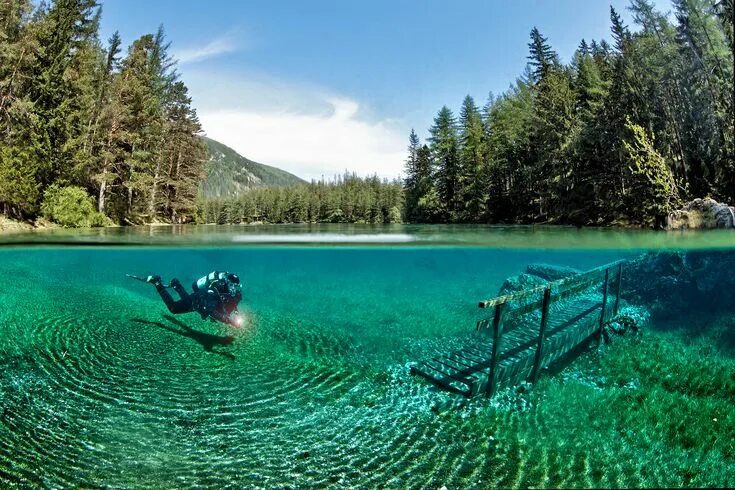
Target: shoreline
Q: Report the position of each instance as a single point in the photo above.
(13, 226)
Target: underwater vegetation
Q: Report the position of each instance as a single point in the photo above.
(101, 387)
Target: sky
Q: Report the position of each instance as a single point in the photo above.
(317, 87)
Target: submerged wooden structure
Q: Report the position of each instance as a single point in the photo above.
(527, 331)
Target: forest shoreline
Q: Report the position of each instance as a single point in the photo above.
(12, 226)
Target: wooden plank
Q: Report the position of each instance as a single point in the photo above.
(463, 361)
(497, 337)
(472, 357)
(440, 381)
(458, 369)
(473, 353)
(617, 290)
(454, 368)
(541, 335)
(604, 302)
(574, 290)
(445, 373)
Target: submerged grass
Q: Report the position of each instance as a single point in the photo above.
(653, 411)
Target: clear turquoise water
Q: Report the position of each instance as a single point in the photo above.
(99, 386)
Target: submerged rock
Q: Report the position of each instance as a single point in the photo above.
(629, 321)
(536, 275)
(702, 213)
(551, 272)
(677, 282)
(520, 282)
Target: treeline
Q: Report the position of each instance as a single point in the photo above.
(620, 134)
(98, 133)
(346, 199)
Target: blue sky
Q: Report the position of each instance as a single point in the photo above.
(316, 87)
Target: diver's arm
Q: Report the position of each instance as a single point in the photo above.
(221, 316)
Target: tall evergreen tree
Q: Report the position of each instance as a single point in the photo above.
(445, 153)
(59, 93)
(413, 177)
(473, 153)
(182, 158)
(541, 57)
(21, 134)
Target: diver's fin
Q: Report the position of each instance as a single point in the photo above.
(141, 279)
(145, 280)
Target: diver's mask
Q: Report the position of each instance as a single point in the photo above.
(234, 285)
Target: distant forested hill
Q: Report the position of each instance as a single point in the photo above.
(228, 173)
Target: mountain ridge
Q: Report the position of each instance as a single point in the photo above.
(229, 174)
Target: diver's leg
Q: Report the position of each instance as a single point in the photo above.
(181, 290)
(181, 306)
(186, 302)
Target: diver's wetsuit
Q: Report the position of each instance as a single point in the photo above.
(183, 305)
(215, 295)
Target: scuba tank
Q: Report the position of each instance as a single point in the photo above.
(226, 285)
(204, 282)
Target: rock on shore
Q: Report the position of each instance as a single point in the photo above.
(702, 213)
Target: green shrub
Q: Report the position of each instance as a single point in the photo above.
(394, 216)
(72, 207)
(655, 193)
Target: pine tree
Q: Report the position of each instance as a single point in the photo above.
(541, 57)
(473, 153)
(411, 182)
(510, 165)
(141, 124)
(445, 154)
(708, 76)
(620, 33)
(182, 158)
(60, 98)
(429, 208)
(163, 78)
(21, 134)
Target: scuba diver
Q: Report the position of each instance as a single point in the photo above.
(214, 296)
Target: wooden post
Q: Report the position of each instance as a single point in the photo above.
(497, 336)
(617, 290)
(604, 302)
(541, 334)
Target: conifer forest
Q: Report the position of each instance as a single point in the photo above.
(620, 135)
(95, 133)
(89, 124)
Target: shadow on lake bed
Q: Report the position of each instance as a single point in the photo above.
(206, 340)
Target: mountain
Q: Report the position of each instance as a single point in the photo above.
(229, 173)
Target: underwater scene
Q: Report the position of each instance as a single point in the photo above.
(316, 386)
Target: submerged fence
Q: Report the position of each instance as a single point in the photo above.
(529, 330)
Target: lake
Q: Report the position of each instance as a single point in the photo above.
(100, 386)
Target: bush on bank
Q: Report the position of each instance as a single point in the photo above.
(71, 207)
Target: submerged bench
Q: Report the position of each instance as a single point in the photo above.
(527, 331)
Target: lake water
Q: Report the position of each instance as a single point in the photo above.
(101, 387)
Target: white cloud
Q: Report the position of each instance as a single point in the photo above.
(299, 129)
(214, 48)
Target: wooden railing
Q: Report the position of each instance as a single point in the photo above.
(512, 307)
